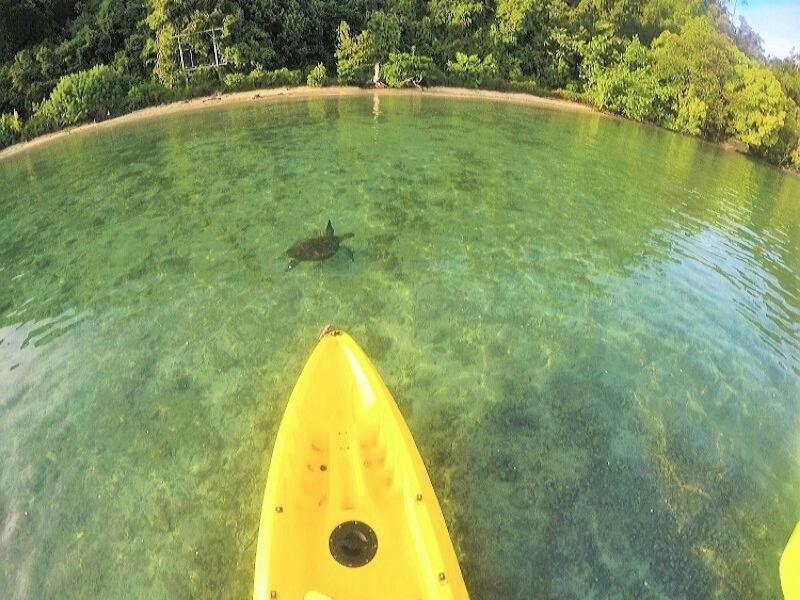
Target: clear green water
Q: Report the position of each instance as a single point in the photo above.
(592, 327)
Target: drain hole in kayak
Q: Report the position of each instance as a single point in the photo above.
(353, 543)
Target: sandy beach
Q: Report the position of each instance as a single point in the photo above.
(273, 94)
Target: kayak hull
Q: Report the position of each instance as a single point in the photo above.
(790, 566)
(349, 510)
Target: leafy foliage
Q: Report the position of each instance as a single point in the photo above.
(693, 66)
(30, 77)
(94, 94)
(786, 151)
(630, 87)
(276, 78)
(10, 129)
(757, 105)
(472, 70)
(788, 73)
(259, 78)
(356, 56)
(236, 81)
(384, 35)
(317, 76)
(24, 23)
(408, 68)
(353, 55)
(147, 93)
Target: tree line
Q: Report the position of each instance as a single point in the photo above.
(682, 64)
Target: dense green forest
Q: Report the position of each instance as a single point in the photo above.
(682, 64)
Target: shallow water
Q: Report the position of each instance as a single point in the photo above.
(592, 327)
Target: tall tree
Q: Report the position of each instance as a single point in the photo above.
(748, 40)
(24, 23)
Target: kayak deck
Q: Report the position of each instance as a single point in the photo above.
(349, 510)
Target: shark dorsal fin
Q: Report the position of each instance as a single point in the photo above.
(329, 229)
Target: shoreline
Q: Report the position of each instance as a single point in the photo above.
(300, 92)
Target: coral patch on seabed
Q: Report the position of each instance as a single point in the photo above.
(9, 525)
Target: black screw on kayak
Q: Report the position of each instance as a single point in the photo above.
(441, 576)
(419, 497)
(273, 594)
(278, 509)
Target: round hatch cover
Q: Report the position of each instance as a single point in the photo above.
(353, 543)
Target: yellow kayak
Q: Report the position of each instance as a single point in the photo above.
(790, 567)
(349, 511)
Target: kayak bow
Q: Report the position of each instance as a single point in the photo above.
(790, 567)
(349, 510)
